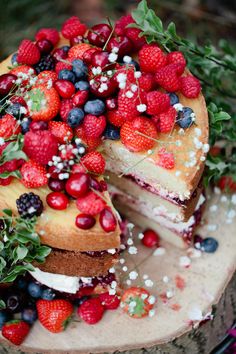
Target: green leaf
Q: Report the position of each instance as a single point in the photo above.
(2, 305)
(16, 174)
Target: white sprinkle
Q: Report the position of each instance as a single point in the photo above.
(112, 57)
(137, 74)
(141, 107)
(159, 251)
(2, 141)
(184, 261)
(181, 131)
(122, 85)
(111, 250)
(122, 260)
(127, 59)
(109, 72)
(133, 275)
(134, 88)
(165, 279)
(112, 291)
(202, 158)
(198, 131)
(151, 313)
(178, 107)
(178, 173)
(121, 77)
(115, 50)
(233, 198)
(130, 241)
(231, 214)
(129, 94)
(112, 270)
(128, 282)
(124, 269)
(113, 284)
(130, 226)
(145, 276)
(169, 294)
(224, 199)
(103, 78)
(213, 208)
(212, 227)
(140, 235)
(41, 232)
(195, 314)
(178, 143)
(151, 300)
(149, 283)
(132, 250)
(205, 148)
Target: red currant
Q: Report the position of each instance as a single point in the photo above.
(107, 220)
(85, 221)
(78, 185)
(150, 239)
(57, 200)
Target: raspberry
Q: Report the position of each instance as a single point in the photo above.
(28, 53)
(61, 66)
(146, 82)
(66, 106)
(51, 34)
(166, 159)
(167, 78)
(127, 106)
(177, 58)
(120, 25)
(190, 86)
(61, 131)
(91, 204)
(133, 35)
(91, 311)
(73, 27)
(78, 51)
(94, 126)
(134, 141)
(151, 58)
(40, 146)
(115, 118)
(9, 126)
(157, 102)
(165, 121)
(33, 175)
(94, 162)
(110, 302)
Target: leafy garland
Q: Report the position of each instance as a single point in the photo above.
(216, 69)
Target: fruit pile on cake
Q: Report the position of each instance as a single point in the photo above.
(85, 106)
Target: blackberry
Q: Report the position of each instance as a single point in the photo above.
(47, 62)
(29, 205)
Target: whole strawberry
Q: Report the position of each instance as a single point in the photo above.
(43, 103)
(94, 126)
(110, 302)
(115, 118)
(40, 146)
(33, 175)
(9, 126)
(28, 53)
(91, 311)
(61, 131)
(15, 331)
(139, 134)
(77, 51)
(94, 162)
(54, 315)
(151, 58)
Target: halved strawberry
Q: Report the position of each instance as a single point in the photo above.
(61, 131)
(9, 126)
(33, 175)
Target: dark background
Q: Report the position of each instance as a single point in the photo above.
(197, 19)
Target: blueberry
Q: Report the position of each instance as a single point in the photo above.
(4, 317)
(79, 68)
(15, 110)
(112, 132)
(96, 107)
(15, 301)
(29, 315)
(21, 283)
(185, 117)
(209, 245)
(81, 149)
(25, 125)
(173, 98)
(66, 74)
(75, 117)
(35, 290)
(80, 300)
(82, 85)
(48, 294)
(65, 48)
(14, 59)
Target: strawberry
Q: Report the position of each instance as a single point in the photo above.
(110, 302)
(78, 168)
(92, 143)
(146, 82)
(136, 302)
(94, 126)
(9, 126)
(177, 58)
(51, 34)
(157, 102)
(72, 28)
(94, 162)
(165, 121)
(115, 118)
(54, 315)
(61, 66)
(128, 106)
(28, 53)
(15, 331)
(46, 78)
(23, 70)
(91, 311)
(43, 103)
(134, 141)
(90, 204)
(167, 78)
(227, 184)
(77, 51)
(66, 106)
(61, 131)
(165, 159)
(40, 146)
(151, 58)
(190, 86)
(33, 175)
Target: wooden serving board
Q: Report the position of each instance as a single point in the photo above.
(208, 288)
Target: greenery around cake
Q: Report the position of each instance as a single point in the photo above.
(216, 69)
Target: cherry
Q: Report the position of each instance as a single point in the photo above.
(44, 45)
(59, 54)
(111, 85)
(6, 83)
(87, 56)
(107, 220)
(122, 43)
(78, 185)
(95, 184)
(111, 103)
(57, 200)
(77, 168)
(54, 172)
(103, 186)
(18, 99)
(39, 125)
(80, 98)
(76, 40)
(99, 34)
(85, 221)
(56, 185)
(65, 88)
(150, 238)
(100, 59)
